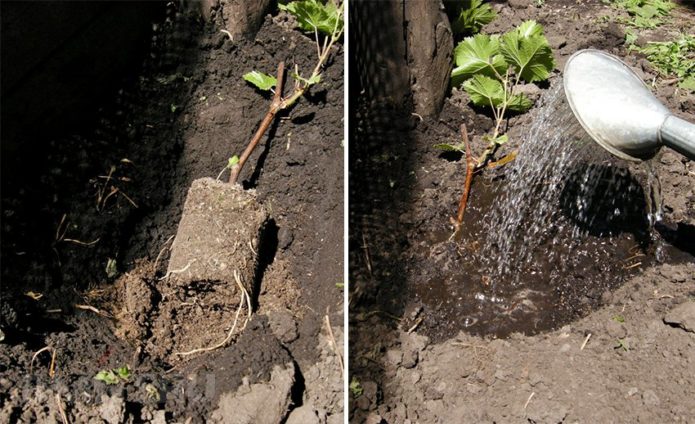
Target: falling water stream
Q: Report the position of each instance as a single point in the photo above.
(568, 222)
(561, 188)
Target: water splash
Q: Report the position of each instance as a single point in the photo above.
(566, 224)
(561, 188)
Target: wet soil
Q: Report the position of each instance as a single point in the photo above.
(425, 318)
(89, 229)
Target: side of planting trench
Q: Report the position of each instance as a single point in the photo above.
(91, 206)
(433, 339)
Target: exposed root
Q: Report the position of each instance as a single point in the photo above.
(59, 402)
(334, 344)
(178, 271)
(161, 252)
(244, 298)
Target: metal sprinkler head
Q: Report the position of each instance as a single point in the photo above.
(619, 111)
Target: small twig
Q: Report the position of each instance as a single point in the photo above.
(61, 234)
(275, 107)
(100, 195)
(228, 34)
(586, 340)
(334, 344)
(529, 399)
(81, 243)
(61, 411)
(88, 308)
(632, 266)
(92, 309)
(416, 325)
(52, 367)
(135, 205)
(113, 191)
(367, 256)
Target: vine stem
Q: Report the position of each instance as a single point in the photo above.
(470, 170)
(275, 107)
(279, 103)
(499, 118)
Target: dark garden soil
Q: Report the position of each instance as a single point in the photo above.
(605, 337)
(88, 235)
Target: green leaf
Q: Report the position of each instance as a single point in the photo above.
(529, 29)
(478, 55)
(473, 14)
(107, 376)
(262, 81)
(355, 387)
(484, 91)
(630, 37)
(123, 373)
(688, 84)
(309, 82)
(451, 147)
(313, 15)
(519, 103)
(502, 139)
(529, 53)
(232, 161)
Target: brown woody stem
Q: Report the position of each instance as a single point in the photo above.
(275, 107)
(470, 168)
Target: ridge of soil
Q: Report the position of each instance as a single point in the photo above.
(180, 118)
(411, 358)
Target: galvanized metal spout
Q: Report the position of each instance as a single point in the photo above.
(619, 111)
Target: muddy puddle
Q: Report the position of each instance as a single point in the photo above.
(543, 242)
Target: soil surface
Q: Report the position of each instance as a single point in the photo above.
(87, 238)
(586, 332)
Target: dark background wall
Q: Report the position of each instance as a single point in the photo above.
(59, 60)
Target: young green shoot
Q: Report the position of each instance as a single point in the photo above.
(313, 17)
(644, 14)
(673, 59)
(114, 376)
(355, 388)
(490, 69)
